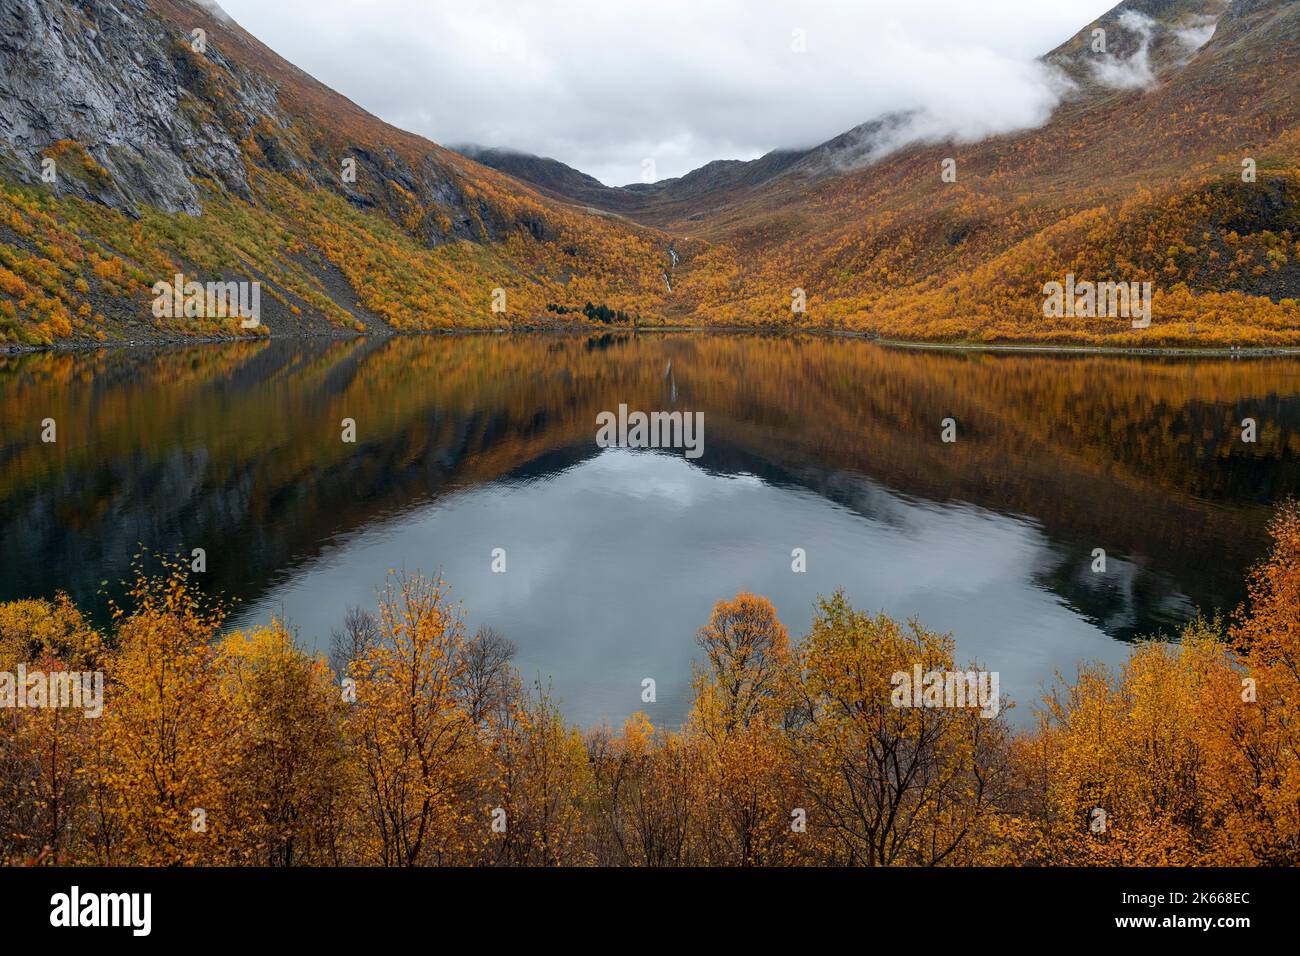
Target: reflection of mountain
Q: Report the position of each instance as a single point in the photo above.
(1126, 602)
(237, 449)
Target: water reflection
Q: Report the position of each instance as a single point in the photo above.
(615, 557)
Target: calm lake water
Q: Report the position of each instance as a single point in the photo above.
(614, 557)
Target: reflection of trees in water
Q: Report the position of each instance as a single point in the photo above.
(236, 448)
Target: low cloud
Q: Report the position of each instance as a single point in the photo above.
(604, 86)
(1133, 72)
(1136, 72)
(213, 8)
(1198, 34)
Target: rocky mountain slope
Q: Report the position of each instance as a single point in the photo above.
(1187, 180)
(144, 138)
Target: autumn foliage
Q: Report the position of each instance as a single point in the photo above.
(417, 744)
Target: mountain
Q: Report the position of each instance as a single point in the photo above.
(178, 143)
(654, 204)
(681, 199)
(1171, 159)
(1142, 41)
(1187, 180)
(1137, 177)
(552, 178)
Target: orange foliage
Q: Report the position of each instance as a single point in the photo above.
(429, 751)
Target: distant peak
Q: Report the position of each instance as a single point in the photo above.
(1133, 45)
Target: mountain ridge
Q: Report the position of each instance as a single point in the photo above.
(1135, 33)
(665, 201)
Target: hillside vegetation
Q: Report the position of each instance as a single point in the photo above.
(219, 160)
(229, 163)
(1139, 185)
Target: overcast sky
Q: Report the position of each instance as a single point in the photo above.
(604, 85)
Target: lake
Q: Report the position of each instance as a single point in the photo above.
(614, 557)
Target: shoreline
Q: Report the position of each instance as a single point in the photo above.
(1170, 351)
(1179, 351)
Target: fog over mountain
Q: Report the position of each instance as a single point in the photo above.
(633, 92)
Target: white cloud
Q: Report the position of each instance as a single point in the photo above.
(214, 8)
(603, 85)
(1133, 72)
(1198, 34)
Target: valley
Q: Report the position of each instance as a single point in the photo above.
(1170, 160)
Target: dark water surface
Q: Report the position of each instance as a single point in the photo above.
(615, 557)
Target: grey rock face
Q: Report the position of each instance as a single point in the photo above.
(120, 81)
(128, 86)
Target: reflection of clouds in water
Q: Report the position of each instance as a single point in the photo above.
(615, 562)
(644, 474)
(957, 548)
